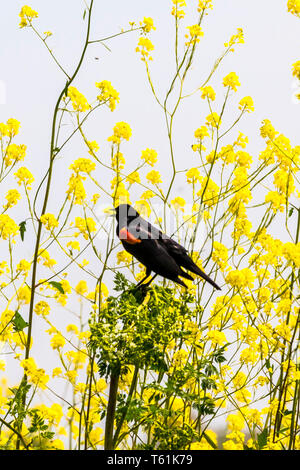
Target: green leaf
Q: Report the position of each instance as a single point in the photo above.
(262, 438)
(58, 286)
(19, 322)
(84, 14)
(291, 211)
(22, 226)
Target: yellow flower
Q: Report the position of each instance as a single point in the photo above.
(145, 46)
(134, 177)
(27, 14)
(178, 203)
(147, 195)
(74, 245)
(204, 4)
(208, 92)
(246, 104)
(85, 226)
(49, 221)
(93, 147)
(121, 131)
(154, 177)
(177, 9)
(213, 120)
(143, 208)
(83, 165)
(241, 278)
(231, 80)
(23, 266)
(276, 200)
(57, 341)
(237, 38)
(150, 156)
(220, 255)
(192, 175)
(42, 308)
(24, 176)
(13, 127)
(8, 227)
(195, 33)
(35, 375)
(14, 153)
(216, 337)
(81, 288)
(203, 444)
(12, 198)
(267, 130)
(147, 24)
(78, 100)
(201, 132)
(108, 94)
(294, 7)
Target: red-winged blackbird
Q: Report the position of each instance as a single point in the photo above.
(155, 250)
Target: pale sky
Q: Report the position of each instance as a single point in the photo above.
(30, 81)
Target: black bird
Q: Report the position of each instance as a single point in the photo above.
(155, 250)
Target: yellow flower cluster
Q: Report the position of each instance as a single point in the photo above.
(27, 14)
(246, 104)
(154, 177)
(12, 198)
(208, 92)
(194, 34)
(294, 7)
(241, 278)
(237, 38)
(144, 47)
(10, 129)
(8, 227)
(83, 165)
(42, 308)
(178, 8)
(108, 94)
(220, 255)
(78, 100)
(232, 81)
(50, 221)
(122, 131)
(149, 156)
(34, 374)
(147, 24)
(85, 226)
(205, 4)
(24, 176)
(178, 203)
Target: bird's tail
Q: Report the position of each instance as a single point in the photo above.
(207, 278)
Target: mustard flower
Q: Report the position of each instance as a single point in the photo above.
(178, 8)
(145, 46)
(147, 24)
(108, 94)
(122, 131)
(149, 156)
(24, 176)
(12, 198)
(8, 227)
(232, 81)
(78, 100)
(27, 14)
(208, 92)
(50, 221)
(246, 104)
(154, 177)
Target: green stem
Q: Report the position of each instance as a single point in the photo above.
(111, 410)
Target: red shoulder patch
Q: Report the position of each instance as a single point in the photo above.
(128, 237)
